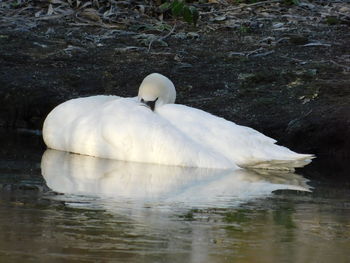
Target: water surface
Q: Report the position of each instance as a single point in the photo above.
(83, 209)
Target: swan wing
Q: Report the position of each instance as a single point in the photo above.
(59, 129)
(138, 134)
(242, 145)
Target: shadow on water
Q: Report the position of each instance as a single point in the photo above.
(85, 209)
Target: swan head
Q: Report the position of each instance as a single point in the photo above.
(156, 90)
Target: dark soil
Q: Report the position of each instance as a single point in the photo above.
(260, 73)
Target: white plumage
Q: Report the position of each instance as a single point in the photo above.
(124, 129)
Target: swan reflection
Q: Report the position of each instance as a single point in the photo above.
(139, 183)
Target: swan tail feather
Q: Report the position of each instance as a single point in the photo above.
(286, 165)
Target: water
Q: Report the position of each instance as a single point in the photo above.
(120, 212)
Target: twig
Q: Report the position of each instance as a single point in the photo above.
(161, 38)
(294, 59)
(103, 25)
(249, 53)
(241, 7)
(253, 53)
(316, 44)
(170, 32)
(263, 54)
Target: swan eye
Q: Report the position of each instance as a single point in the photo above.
(142, 100)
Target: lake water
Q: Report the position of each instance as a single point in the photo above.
(59, 207)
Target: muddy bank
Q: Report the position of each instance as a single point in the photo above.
(292, 83)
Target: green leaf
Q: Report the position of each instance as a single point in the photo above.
(165, 6)
(187, 15)
(190, 14)
(195, 14)
(177, 8)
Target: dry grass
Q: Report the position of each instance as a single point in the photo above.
(217, 13)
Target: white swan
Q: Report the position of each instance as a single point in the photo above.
(162, 132)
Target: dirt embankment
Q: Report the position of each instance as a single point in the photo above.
(284, 70)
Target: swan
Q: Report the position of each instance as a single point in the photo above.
(151, 128)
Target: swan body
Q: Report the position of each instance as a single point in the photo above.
(150, 128)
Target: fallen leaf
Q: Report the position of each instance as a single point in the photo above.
(128, 49)
(91, 14)
(219, 18)
(37, 14)
(278, 25)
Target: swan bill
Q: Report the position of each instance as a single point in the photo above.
(150, 104)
